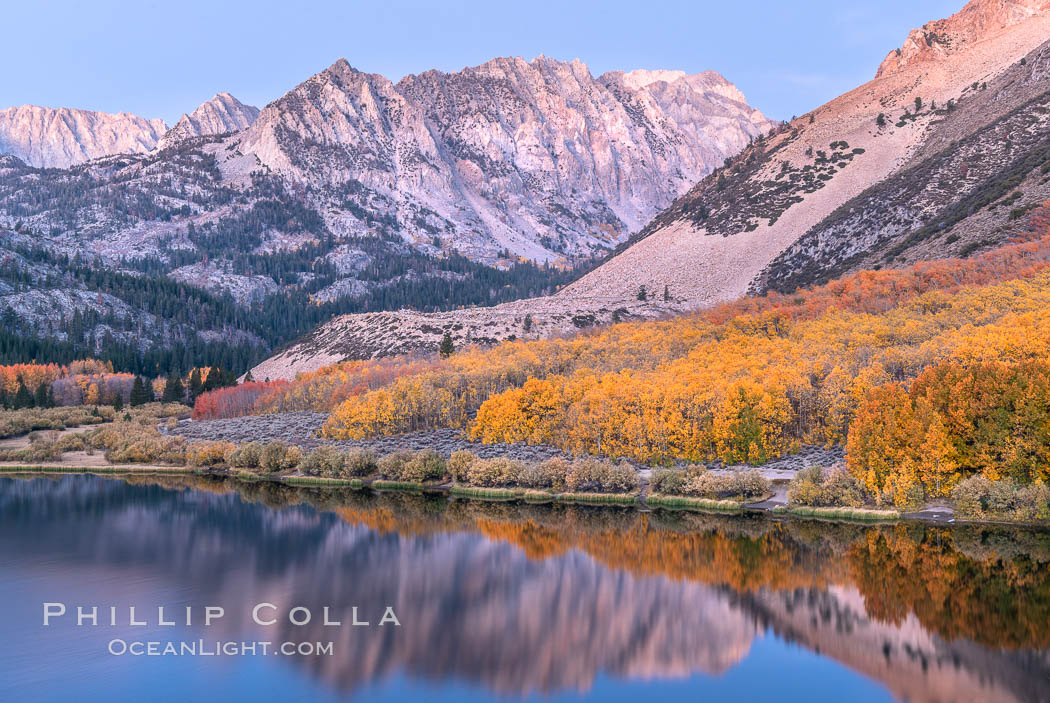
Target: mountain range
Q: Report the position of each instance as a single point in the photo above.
(356, 216)
(941, 154)
(351, 193)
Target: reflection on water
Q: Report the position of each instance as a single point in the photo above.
(516, 600)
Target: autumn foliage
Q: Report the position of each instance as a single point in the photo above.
(956, 420)
(901, 363)
(233, 401)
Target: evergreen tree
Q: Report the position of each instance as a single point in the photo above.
(23, 398)
(195, 385)
(40, 397)
(446, 348)
(667, 293)
(173, 390)
(248, 377)
(642, 295)
(118, 402)
(140, 393)
(528, 323)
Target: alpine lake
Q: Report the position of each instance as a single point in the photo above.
(166, 588)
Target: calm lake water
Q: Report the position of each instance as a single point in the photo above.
(505, 602)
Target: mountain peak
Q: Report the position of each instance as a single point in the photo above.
(222, 113)
(977, 21)
(661, 81)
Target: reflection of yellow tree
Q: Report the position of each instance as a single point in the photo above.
(996, 601)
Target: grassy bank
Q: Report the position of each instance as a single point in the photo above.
(488, 493)
(597, 498)
(315, 481)
(687, 503)
(853, 514)
(45, 468)
(384, 485)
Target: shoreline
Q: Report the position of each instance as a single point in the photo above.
(638, 501)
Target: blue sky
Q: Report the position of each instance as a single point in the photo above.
(160, 59)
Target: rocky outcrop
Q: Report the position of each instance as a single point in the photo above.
(537, 159)
(61, 137)
(977, 21)
(223, 113)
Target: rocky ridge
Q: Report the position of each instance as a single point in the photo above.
(221, 114)
(714, 243)
(534, 159)
(939, 155)
(61, 137)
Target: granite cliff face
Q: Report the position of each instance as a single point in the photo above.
(539, 159)
(60, 137)
(223, 113)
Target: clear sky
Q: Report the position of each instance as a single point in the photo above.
(160, 59)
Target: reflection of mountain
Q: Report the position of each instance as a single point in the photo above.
(517, 613)
(914, 664)
(470, 607)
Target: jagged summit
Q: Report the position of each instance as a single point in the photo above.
(977, 21)
(222, 113)
(61, 137)
(537, 158)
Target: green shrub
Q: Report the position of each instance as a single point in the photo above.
(131, 442)
(324, 461)
(39, 450)
(71, 442)
(459, 464)
(548, 474)
(837, 487)
(620, 478)
(278, 456)
(247, 456)
(392, 466)
(208, 453)
(741, 484)
(668, 481)
(978, 497)
(360, 463)
(492, 473)
(17, 422)
(425, 465)
(586, 475)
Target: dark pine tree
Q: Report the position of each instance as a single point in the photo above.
(173, 390)
(446, 348)
(195, 385)
(40, 397)
(140, 393)
(23, 398)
